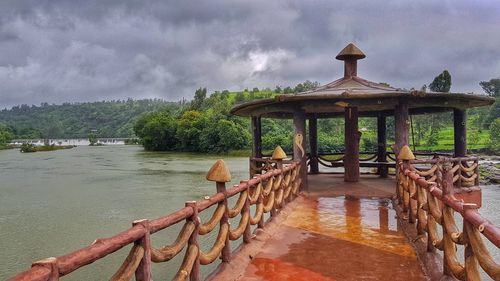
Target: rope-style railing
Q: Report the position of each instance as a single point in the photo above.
(268, 192)
(427, 200)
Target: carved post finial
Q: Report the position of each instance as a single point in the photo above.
(405, 153)
(219, 172)
(278, 153)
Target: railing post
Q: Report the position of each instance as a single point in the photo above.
(405, 154)
(476, 171)
(247, 234)
(143, 271)
(219, 173)
(193, 240)
(447, 187)
(226, 251)
(278, 155)
(51, 264)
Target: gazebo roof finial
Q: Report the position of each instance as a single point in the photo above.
(351, 52)
(350, 55)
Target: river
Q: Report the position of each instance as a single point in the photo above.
(55, 202)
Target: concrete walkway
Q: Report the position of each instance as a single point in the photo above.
(339, 231)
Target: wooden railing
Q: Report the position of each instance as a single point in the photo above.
(269, 192)
(428, 200)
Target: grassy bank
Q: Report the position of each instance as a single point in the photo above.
(28, 148)
(5, 146)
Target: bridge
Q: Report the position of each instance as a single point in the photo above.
(336, 231)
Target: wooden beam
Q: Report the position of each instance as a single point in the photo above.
(460, 132)
(299, 144)
(351, 139)
(313, 144)
(383, 170)
(402, 124)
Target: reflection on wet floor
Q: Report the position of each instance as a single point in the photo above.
(338, 238)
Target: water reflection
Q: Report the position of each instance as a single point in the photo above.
(339, 238)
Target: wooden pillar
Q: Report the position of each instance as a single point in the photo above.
(256, 137)
(256, 145)
(313, 144)
(382, 146)
(401, 126)
(351, 139)
(460, 132)
(299, 144)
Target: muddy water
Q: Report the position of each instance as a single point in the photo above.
(55, 202)
(339, 238)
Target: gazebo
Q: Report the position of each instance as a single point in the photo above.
(352, 97)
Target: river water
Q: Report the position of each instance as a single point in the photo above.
(52, 203)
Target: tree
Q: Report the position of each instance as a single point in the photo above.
(495, 136)
(492, 87)
(5, 134)
(157, 131)
(288, 90)
(92, 139)
(493, 113)
(442, 82)
(199, 98)
(189, 128)
(222, 135)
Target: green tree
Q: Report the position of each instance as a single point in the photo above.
(433, 138)
(157, 131)
(5, 134)
(495, 136)
(222, 135)
(442, 82)
(92, 139)
(199, 98)
(189, 128)
(492, 87)
(493, 113)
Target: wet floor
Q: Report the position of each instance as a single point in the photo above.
(338, 238)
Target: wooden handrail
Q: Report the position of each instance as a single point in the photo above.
(418, 197)
(52, 268)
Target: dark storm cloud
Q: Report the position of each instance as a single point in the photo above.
(58, 51)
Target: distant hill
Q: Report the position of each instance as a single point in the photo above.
(76, 120)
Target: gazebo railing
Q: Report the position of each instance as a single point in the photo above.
(268, 192)
(428, 200)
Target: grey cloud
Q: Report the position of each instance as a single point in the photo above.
(57, 51)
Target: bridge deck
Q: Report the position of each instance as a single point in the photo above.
(339, 231)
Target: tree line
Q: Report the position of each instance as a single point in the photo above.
(204, 124)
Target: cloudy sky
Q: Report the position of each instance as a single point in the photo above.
(65, 51)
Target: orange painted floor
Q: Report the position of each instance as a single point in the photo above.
(342, 231)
